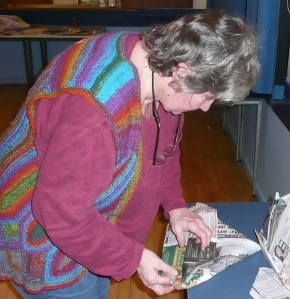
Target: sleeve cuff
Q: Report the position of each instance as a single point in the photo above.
(135, 260)
(172, 206)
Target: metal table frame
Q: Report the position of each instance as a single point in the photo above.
(43, 51)
(26, 52)
(27, 40)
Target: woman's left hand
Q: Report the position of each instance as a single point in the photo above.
(183, 220)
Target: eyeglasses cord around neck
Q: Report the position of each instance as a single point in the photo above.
(169, 150)
(157, 119)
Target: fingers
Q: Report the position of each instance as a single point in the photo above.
(162, 279)
(183, 220)
(180, 238)
(148, 270)
(202, 232)
(162, 284)
(159, 284)
(161, 290)
(167, 271)
(197, 226)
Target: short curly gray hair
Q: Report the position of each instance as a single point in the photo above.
(218, 48)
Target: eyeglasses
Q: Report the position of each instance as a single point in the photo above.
(170, 149)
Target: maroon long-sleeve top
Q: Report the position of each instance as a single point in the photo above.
(76, 156)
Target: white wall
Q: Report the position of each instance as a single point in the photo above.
(273, 164)
(199, 4)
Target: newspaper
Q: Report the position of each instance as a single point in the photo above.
(268, 285)
(10, 22)
(194, 266)
(274, 237)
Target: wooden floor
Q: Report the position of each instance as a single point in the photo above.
(209, 174)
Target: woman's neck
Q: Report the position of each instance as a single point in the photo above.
(139, 59)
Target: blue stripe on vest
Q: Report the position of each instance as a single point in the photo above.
(119, 78)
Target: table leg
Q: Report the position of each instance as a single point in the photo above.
(257, 140)
(225, 119)
(43, 50)
(240, 134)
(28, 62)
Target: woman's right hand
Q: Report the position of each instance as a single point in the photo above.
(149, 271)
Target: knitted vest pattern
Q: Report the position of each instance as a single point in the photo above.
(98, 70)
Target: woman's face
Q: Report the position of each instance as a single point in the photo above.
(179, 102)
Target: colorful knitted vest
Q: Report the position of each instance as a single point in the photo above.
(98, 70)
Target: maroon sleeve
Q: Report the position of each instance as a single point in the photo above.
(76, 158)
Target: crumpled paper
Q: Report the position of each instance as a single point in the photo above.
(10, 22)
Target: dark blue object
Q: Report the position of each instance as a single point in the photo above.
(236, 281)
(107, 17)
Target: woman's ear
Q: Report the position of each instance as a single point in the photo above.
(181, 71)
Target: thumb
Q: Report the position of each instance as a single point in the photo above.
(167, 270)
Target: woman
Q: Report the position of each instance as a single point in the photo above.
(84, 168)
